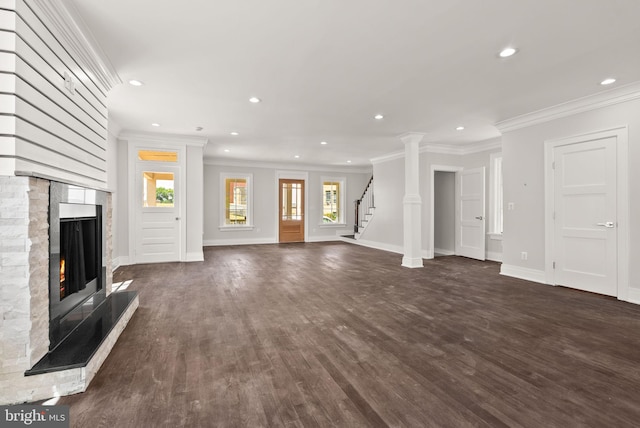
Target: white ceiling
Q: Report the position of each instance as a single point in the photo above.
(324, 68)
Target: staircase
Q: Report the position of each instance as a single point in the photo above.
(365, 209)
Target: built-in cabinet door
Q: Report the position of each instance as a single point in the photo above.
(291, 215)
(157, 228)
(470, 241)
(585, 224)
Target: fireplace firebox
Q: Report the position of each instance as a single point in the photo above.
(77, 268)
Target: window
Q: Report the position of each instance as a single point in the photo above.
(236, 202)
(333, 190)
(158, 189)
(157, 156)
(495, 195)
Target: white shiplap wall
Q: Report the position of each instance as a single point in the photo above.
(53, 113)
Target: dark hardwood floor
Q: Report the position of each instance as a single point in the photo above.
(333, 334)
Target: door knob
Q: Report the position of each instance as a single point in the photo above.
(609, 224)
(479, 217)
(177, 218)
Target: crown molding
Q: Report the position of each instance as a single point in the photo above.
(461, 150)
(67, 22)
(149, 137)
(285, 166)
(603, 99)
(446, 149)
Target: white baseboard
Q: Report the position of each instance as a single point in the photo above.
(444, 252)
(197, 256)
(494, 256)
(633, 296)
(119, 261)
(378, 245)
(251, 241)
(323, 238)
(528, 274)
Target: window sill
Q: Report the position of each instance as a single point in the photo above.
(235, 228)
(495, 236)
(332, 225)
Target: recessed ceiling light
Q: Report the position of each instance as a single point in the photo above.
(134, 82)
(324, 143)
(507, 52)
(378, 117)
(460, 128)
(234, 133)
(226, 150)
(297, 156)
(348, 161)
(254, 100)
(608, 81)
(155, 124)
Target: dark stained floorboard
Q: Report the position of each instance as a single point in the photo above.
(333, 334)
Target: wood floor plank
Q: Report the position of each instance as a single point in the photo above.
(333, 334)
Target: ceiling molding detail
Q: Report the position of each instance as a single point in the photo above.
(446, 149)
(286, 166)
(603, 99)
(66, 21)
(148, 137)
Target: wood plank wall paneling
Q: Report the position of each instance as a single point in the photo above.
(53, 131)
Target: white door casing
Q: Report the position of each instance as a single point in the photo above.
(470, 213)
(434, 169)
(587, 213)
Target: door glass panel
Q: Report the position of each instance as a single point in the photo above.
(157, 189)
(157, 156)
(291, 201)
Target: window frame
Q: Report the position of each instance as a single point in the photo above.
(496, 196)
(341, 200)
(248, 177)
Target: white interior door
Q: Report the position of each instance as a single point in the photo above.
(157, 231)
(585, 225)
(470, 240)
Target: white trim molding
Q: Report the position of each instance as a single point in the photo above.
(285, 166)
(432, 210)
(398, 249)
(602, 99)
(520, 272)
(243, 241)
(447, 149)
(68, 23)
(196, 256)
(171, 139)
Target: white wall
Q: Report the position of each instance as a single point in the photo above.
(265, 204)
(444, 212)
(523, 160)
(385, 230)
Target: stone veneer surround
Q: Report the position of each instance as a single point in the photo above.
(24, 295)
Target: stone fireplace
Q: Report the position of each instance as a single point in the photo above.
(36, 329)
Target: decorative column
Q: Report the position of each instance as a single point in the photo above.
(412, 202)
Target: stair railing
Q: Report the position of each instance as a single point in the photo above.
(363, 205)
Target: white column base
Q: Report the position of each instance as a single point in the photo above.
(412, 262)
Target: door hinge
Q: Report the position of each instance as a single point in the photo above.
(553, 165)
(554, 265)
(553, 216)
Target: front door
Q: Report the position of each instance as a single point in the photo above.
(470, 241)
(157, 232)
(585, 211)
(291, 223)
